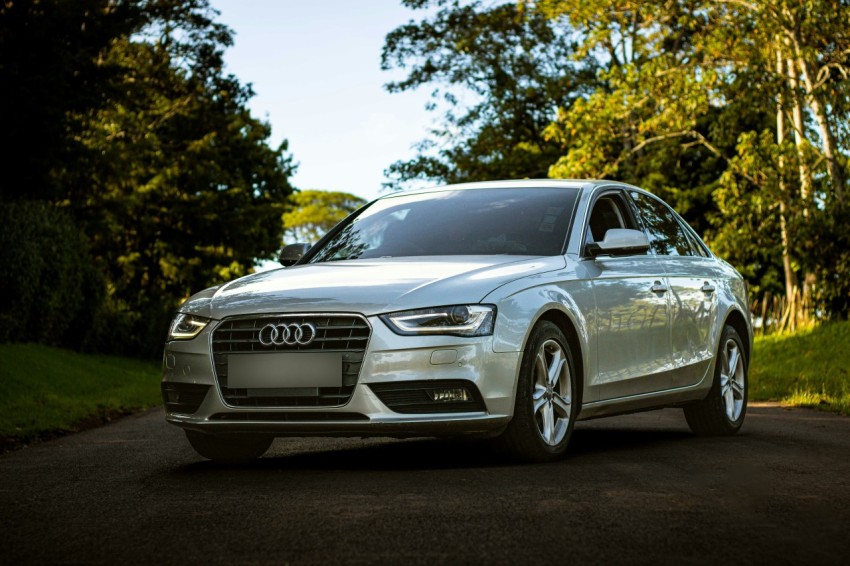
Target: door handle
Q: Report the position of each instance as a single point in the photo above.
(658, 287)
(707, 288)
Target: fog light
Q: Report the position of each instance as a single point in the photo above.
(458, 394)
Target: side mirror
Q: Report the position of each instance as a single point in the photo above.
(620, 241)
(290, 254)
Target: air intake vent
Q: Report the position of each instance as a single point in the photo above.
(183, 397)
(312, 416)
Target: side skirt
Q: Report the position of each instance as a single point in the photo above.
(648, 401)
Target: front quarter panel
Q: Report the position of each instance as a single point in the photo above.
(522, 303)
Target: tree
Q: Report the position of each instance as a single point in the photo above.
(311, 213)
(498, 73)
(161, 165)
(50, 69)
(187, 191)
(734, 111)
(650, 118)
(792, 42)
(674, 68)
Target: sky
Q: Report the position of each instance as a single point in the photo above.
(315, 66)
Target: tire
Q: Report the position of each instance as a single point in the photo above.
(722, 412)
(544, 410)
(238, 449)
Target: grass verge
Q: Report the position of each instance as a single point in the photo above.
(45, 392)
(810, 368)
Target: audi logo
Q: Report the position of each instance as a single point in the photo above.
(287, 334)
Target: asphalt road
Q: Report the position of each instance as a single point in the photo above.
(634, 489)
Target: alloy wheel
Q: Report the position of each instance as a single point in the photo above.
(552, 393)
(732, 381)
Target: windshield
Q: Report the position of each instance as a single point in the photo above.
(522, 221)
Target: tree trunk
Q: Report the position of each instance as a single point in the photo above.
(830, 150)
(790, 275)
(799, 134)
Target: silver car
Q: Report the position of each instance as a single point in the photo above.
(505, 310)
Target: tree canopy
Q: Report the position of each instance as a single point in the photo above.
(311, 213)
(120, 113)
(736, 112)
(497, 73)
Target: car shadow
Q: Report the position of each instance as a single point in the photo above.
(438, 454)
(389, 455)
(607, 440)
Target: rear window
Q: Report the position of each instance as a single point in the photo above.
(527, 221)
(665, 233)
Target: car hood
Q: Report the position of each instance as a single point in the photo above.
(368, 286)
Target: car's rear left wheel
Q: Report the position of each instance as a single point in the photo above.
(546, 400)
(236, 449)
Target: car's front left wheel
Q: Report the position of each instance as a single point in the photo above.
(547, 403)
(236, 449)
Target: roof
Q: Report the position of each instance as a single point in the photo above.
(512, 184)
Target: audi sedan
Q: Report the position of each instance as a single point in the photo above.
(505, 310)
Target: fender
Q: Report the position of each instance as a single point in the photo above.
(520, 302)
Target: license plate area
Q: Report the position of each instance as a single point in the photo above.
(284, 370)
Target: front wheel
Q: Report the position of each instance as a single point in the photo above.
(237, 449)
(722, 412)
(546, 400)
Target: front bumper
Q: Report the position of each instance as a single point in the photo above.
(389, 358)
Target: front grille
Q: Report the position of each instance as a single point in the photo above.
(410, 397)
(183, 397)
(345, 334)
(312, 416)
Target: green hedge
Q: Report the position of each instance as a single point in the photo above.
(50, 288)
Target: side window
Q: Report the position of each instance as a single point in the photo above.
(608, 212)
(697, 249)
(666, 236)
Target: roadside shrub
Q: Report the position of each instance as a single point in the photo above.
(50, 289)
(136, 332)
(826, 251)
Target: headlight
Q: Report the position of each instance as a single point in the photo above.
(186, 326)
(457, 320)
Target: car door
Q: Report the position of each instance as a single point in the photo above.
(693, 277)
(632, 310)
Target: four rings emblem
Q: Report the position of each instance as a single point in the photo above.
(287, 334)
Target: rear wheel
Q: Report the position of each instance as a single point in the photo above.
(546, 401)
(722, 411)
(237, 449)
